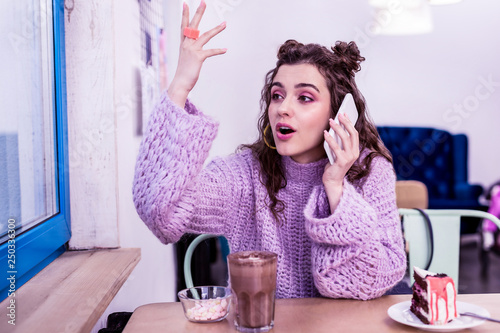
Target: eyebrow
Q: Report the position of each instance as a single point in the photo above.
(298, 85)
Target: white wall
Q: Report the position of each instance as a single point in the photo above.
(153, 279)
(407, 80)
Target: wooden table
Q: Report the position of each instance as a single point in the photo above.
(305, 315)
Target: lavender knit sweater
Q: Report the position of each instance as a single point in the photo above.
(356, 252)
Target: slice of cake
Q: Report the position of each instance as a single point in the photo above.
(434, 297)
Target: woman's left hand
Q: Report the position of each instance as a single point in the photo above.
(333, 177)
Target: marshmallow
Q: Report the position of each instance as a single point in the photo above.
(208, 309)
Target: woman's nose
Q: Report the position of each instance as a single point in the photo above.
(286, 107)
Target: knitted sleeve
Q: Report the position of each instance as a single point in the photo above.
(358, 250)
(172, 192)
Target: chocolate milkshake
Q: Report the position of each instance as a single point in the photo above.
(253, 280)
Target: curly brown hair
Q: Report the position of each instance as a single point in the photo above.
(338, 66)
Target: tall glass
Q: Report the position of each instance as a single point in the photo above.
(253, 280)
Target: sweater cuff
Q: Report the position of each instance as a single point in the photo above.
(348, 224)
(318, 207)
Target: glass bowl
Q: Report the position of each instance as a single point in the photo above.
(206, 304)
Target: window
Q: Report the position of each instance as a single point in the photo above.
(34, 188)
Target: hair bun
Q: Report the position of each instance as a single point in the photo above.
(348, 56)
(290, 47)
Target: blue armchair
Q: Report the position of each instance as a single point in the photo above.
(436, 158)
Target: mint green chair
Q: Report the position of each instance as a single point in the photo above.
(446, 234)
(188, 256)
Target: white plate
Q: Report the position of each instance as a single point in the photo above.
(401, 313)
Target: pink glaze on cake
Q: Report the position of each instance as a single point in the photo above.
(439, 291)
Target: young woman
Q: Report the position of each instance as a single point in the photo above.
(335, 228)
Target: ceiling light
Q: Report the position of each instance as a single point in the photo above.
(401, 17)
(443, 2)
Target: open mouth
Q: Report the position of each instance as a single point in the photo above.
(285, 130)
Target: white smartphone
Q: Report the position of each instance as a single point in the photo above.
(348, 107)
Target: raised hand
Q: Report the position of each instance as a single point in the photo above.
(192, 55)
